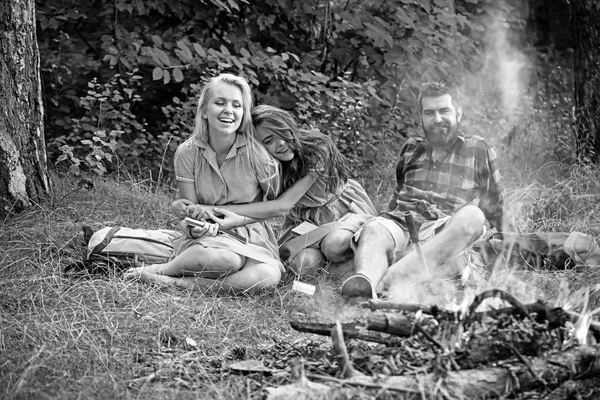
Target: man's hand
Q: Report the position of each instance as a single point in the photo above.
(226, 219)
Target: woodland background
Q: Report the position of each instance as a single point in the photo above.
(119, 85)
(121, 78)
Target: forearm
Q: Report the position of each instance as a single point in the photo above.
(259, 211)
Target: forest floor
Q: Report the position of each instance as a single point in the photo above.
(103, 337)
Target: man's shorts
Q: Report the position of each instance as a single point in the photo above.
(400, 233)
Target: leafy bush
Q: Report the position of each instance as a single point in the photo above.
(350, 68)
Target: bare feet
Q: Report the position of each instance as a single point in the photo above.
(134, 273)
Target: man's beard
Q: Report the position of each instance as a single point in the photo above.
(441, 134)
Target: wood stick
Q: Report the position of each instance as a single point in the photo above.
(350, 332)
(337, 336)
(394, 324)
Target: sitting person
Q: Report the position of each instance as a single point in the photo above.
(317, 190)
(451, 185)
(222, 164)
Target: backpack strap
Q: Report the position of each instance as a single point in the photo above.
(107, 239)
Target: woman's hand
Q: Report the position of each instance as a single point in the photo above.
(179, 207)
(196, 232)
(227, 219)
(198, 211)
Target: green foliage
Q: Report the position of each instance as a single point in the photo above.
(349, 67)
(107, 130)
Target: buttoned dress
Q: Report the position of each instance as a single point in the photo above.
(346, 208)
(236, 181)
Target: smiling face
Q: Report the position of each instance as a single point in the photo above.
(440, 119)
(275, 145)
(224, 111)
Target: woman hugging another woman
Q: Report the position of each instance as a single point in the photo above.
(221, 164)
(317, 191)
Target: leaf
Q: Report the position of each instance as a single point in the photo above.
(177, 75)
(185, 54)
(245, 53)
(157, 73)
(224, 50)
(166, 77)
(164, 58)
(200, 50)
(190, 342)
(249, 366)
(157, 40)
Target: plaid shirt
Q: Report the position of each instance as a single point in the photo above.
(467, 173)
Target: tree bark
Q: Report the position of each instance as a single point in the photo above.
(586, 35)
(23, 173)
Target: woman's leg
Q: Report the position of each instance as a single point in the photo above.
(254, 276)
(307, 262)
(336, 246)
(208, 262)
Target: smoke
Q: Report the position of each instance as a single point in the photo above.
(510, 64)
(502, 81)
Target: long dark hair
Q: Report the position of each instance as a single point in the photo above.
(313, 151)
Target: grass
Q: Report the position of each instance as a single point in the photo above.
(110, 338)
(106, 338)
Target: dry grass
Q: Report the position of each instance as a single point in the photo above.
(107, 338)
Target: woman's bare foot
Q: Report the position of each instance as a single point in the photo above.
(134, 273)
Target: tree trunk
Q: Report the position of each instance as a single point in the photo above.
(586, 34)
(23, 174)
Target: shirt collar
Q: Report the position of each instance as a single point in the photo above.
(240, 141)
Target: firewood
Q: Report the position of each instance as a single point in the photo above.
(580, 362)
(350, 332)
(339, 346)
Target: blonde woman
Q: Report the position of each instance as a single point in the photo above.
(222, 164)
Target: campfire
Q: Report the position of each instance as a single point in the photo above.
(470, 351)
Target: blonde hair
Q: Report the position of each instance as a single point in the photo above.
(256, 153)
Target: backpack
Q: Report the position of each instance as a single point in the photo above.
(544, 250)
(115, 249)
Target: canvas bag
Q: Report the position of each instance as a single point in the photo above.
(114, 249)
(132, 245)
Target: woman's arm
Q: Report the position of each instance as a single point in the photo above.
(279, 207)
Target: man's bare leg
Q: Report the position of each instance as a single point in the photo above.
(373, 255)
(464, 226)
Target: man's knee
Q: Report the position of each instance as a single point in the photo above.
(375, 234)
(375, 237)
(469, 220)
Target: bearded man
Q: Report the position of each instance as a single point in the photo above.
(449, 184)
